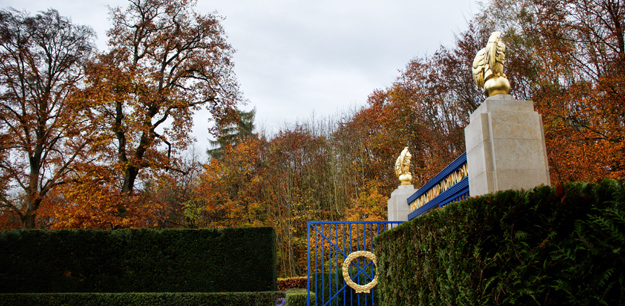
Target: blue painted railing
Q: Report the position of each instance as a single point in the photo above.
(459, 191)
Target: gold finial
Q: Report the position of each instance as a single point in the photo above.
(488, 67)
(402, 167)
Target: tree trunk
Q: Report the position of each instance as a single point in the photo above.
(28, 221)
(130, 175)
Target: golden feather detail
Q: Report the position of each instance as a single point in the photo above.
(488, 67)
(402, 167)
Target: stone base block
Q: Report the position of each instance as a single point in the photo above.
(397, 205)
(505, 146)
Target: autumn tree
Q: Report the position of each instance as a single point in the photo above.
(92, 201)
(569, 61)
(566, 56)
(44, 131)
(230, 190)
(176, 194)
(302, 173)
(586, 40)
(165, 62)
(425, 109)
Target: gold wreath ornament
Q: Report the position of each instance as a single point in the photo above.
(348, 261)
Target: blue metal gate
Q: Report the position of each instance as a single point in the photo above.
(329, 245)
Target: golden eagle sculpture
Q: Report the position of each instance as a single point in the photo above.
(488, 67)
(402, 167)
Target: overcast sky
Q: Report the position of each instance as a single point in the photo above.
(296, 58)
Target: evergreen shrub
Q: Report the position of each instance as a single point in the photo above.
(138, 260)
(141, 299)
(545, 246)
(297, 297)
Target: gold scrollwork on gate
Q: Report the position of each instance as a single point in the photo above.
(445, 184)
(346, 264)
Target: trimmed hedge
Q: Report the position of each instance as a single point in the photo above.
(141, 299)
(297, 297)
(546, 246)
(292, 283)
(138, 260)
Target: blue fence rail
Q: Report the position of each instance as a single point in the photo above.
(448, 186)
(329, 244)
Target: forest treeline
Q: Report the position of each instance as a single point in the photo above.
(97, 141)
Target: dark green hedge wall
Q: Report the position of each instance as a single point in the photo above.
(142, 299)
(295, 297)
(546, 246)
(138, 260)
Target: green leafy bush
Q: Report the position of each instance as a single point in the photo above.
(297, 297)
(546, 246)
(141, 299)
(138, 260)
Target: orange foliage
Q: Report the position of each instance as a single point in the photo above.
(570, 60)
(369, 206)
(228, 192)
(292, 283)
(94, 203)
(426, 109)
(165, 62)
(44, 131)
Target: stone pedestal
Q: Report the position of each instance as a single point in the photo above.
(505, 146)
(398, 208)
